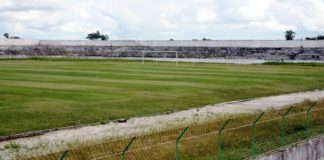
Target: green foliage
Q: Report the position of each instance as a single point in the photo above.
(200, 140)
(206, 39)
(310, 38)
(290, 35)
(319, 37)
(12, 145)
(6, 35)
(294, 64)
(97, 35)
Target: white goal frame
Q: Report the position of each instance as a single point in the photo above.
(145, 52)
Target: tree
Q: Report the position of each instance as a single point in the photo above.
(310, 38)
(97, 35)
(104, 37)
(290, 35)
(319, 37)
(6, 35)
(15, 37)
(206, 39)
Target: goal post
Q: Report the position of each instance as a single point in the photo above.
(160, 54)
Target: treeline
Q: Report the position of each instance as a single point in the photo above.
(7, 36)
(319, 37)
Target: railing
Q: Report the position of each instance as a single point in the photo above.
(235, 138)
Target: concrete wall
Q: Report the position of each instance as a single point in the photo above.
(18, 42)
(307, 150)
(249, 44)
(269, 50)
(181, 43)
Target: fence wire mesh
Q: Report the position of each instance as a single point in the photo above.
(204, 141)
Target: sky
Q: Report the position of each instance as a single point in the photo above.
(161, 19)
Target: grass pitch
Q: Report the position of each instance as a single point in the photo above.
(44, 93)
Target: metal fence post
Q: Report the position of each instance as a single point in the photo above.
(283, 126)
(308, 119)
(254, 135)
(127, 147)
(63, 155)
(177, 142)
(143, 55)
(219, 153)
(176, 58)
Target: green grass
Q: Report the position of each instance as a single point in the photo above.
(200, 141)
(44, 93)
(244, 152)
(237, 143)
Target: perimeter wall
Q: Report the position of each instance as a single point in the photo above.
(312, 149)
(238, 49)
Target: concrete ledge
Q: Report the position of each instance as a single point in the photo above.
(312, 149)
(18, 42)
(177, 43)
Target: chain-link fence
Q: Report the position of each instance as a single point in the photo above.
(235, 138)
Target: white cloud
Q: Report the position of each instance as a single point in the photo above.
(160, 19)
(79, 10)
(7, 4)
(206, 15)
(271, 25)
(315, 20)
(254, 9)
(31, 15)
(72, 27)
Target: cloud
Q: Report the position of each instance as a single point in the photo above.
(206, 16)
(161, 19)
(315, 19)
(271, 25)
(7, 4)
(254, 9)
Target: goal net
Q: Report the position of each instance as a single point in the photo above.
(159, 56)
